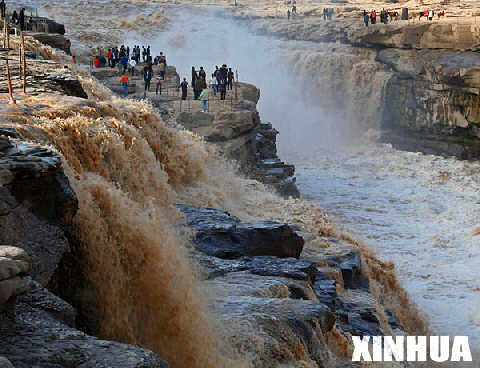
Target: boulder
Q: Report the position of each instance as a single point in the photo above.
(221, 235)
(14, 265)
(5, 363)
(36, 338)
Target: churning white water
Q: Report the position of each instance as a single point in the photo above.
(420, 211)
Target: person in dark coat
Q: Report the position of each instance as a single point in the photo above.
(194, 80)
(222, 88)
(201, 73)
(200, 85)
(3, 9)
(230, 78)
(147, 78)
(184, 86)
(15, 17)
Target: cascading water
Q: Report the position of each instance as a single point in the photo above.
(420, 211)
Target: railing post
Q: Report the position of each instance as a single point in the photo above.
(236, 84)
(4, 34)
(22, 43)
(9, 80)
(8, 35)
(20, 61)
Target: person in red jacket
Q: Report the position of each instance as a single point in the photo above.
(96, 62)
(109, 57)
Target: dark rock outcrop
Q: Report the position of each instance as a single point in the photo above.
(37, 204)
(37, 328)
(39, 336)
(221, 235)
(271, 304)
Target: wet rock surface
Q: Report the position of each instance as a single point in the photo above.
(37, 204)
(221, 235)
(37, 328)
(270, 304)
(36, 337)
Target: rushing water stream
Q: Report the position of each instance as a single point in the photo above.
(419, 211)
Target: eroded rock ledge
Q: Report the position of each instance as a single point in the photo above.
(37, 328)
(430, 99)
(233, 126)
(278, 298)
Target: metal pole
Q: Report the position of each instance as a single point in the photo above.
(236, 84)
(8, 37)
(20, 61)
(10, 90)
(4, 34)
(24, 63)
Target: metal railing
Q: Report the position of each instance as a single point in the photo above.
(22, 64)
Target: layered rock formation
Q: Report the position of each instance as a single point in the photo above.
(424, 77)
(277, 303)
(233, 125)
(37, 328)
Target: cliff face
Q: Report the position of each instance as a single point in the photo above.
(421, 85)
(37, 328)
(435, 96)
(233, 125)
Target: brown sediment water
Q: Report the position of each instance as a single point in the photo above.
(128, 169)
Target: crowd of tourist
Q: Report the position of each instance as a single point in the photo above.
(384, 16)
(429, 14)
(129, 59)
(220, 81)
(387, 15)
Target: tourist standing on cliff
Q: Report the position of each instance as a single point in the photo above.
(147, 78)
(109, 57)
(158, 88)
(194, 81)
(230, 78)
(184, 86)
(222, 88)
(21, 19)
(202, 74)
(161, 70)
(365, 18)
(200, 85)
(213, 85)
(133, 64)
(14, 17)
(124, 83)
(3, 8)
(204, 99)
(124, 63)
(288, 14)
(373, 17)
